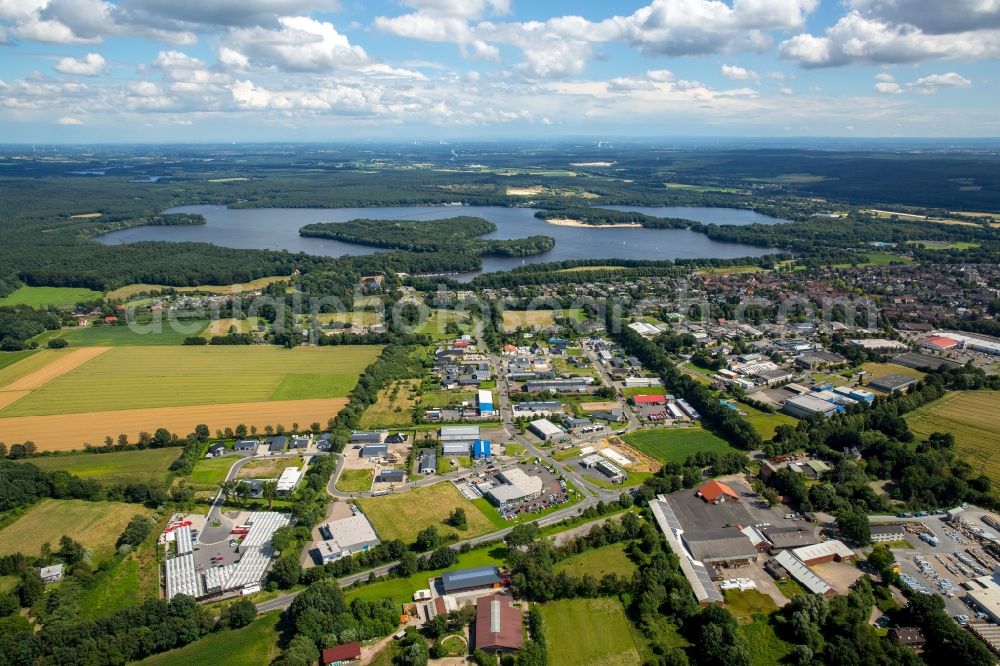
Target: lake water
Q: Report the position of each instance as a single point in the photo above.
(278, 229)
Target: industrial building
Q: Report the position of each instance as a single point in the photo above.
(518, 487)
(545, 429)
(390, 476)
(537, 408)
(726, 546)
(465, 580)
(697, 574)
(892, 383)
(985, 596)
(985, 344)
(642, 382)
(367, 437)
(805, 576)
(804, 406)
(455, 449)
(373, 451)
(784, 538)
(716, 492)
(605, 467)
(939, 343)
(345, 537)
(459, 435)
(653, 400)
(485, 400)
(481, 448)
(289, 479)
(887, 533)
(823, 552)
(498, 625)
(428, 463)
(579, 385)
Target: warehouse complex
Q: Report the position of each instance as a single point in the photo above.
(518, 486)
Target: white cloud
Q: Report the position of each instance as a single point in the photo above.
(82, 22)
(460, 8)
(888, 88)
(929, 85)
(301, 44)
(885, 77)
(737, 73)
(221, 12)
(233, 59)
(91, 64)
(68, 120)
(786, 90)
(935, 17)
(858, 39)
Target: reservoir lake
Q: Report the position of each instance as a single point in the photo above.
(278, 229)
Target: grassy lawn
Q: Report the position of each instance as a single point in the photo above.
(744, 605)
(401, 590)
(253, 285)
(581, 632)
(764, 645)
(355, 480)
(359, 317)
(60, 297)
(600, 561)
(438, 321)
(137, 378)
(430, 399)
(829, 378)
(268, 468)
(394, 406)
(791, 588)
(253, 645)
(652, 390)
(96, 525)
(212, 471)
(402, 515)
(675, 445)
(971, 417)
(878, 369)
(149, 466)
(223, 326)
(764, 423)
(123, 336)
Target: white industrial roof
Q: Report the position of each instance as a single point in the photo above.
(546, 427)
(485, 396)
(460, 431)
(289, 479)
(811, 403)
(182, 537)
(803, 574)
(182, 577)
(350, 532)
(823, 549)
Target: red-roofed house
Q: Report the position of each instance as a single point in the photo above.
(649, 400)
(342, 654)
(498, 625)
(939, 343)
(717, 492)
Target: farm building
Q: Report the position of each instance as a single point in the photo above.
(518, 487)
(803, 574)
(804, 406)
(823, 552)
(545, 429)
(367, 437)
(390, 476)
(485, 401)
(51, 574)
(481, 448)
(892, 383)
(716, 492)
(727, 546)
(276, 444)
(341, 655)
(650, 400)
(498, 625)
(289, 479)
(346, 537)
(216, 450)
(465, 580)
(373, 451)
(428, 463)
(887, 533)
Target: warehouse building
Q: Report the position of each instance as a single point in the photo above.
(805, 576)
(288, 480)
(559, 385)
(892, 383)
(390, 476)
(986, 344)
(428, 463)
(804, 406)
(716, 492)
(498, 625)
(481, 448)
(367, 437)
(545, 429)
(455, 449)
(465, 580)
(697, 574)
(726, 546)
(518, 487)
(985, 596)
(345, 537)
(373, 451)
(784, 538)
(605, 467)
(460, 435)
(537, 408)
(642, 382)
(823, 552)
(485, 400)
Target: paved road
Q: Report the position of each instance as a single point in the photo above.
(284, 600)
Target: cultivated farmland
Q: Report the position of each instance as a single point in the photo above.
(60, 297)
(402, 515)
(253, 645)
(584, 632)
(131, 290)
(512, 319)
(121, 336)
(971, 417)
(141, 378)
(96, 525)
(65, 432)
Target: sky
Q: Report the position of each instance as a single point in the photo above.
(95, 71)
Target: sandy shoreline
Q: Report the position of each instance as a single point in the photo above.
(566, 222)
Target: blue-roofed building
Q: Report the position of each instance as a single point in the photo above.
(471, 579)
(481, 448)
(486, 403)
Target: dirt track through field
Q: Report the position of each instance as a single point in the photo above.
(56, 368)
(64, 432)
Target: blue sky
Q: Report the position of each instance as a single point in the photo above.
(327, 70)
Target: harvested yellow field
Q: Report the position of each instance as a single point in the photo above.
(10, 397)
(222, 326)
(540, 318)
(94, 524)
(60, 365)
(599, 406)
(524, 191)
(131, 290)
(65, 432)
(85, 216)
